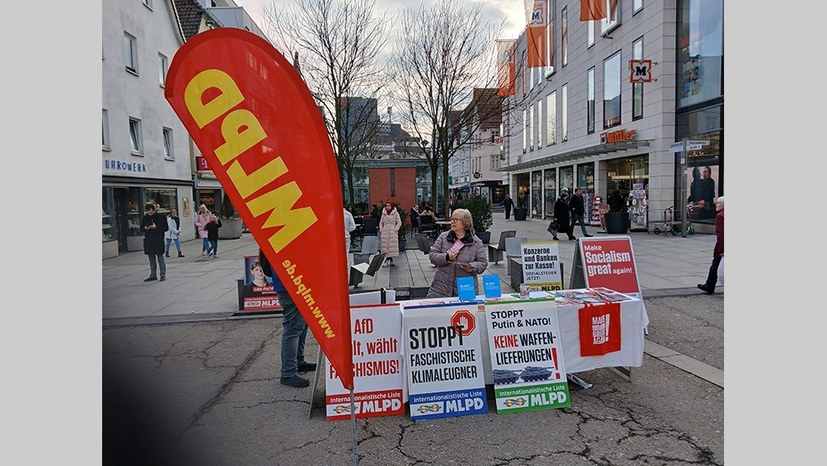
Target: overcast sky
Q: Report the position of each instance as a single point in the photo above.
(512, 10)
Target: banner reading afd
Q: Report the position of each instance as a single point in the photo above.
(254, 120)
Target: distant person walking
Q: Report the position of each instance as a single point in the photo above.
(154, 225)
(173, 232)
(202, 218)
(578, 211)
(718, 251)
(561, 216)
(212, 235)
(508, 204)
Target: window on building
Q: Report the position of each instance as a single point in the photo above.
(637, 88)
(564, 117)
(168, 153)
(105, 129)
(163, 66)
(590, 101)
(610, 21)
(531, 127)
(525, 131)
(700, 52)
(564, 41)
(611, 91)
(524, 73)
(539, 123)
(551, 118)
(637, 5)
(135, 136)
(589, 33)
(130, 52)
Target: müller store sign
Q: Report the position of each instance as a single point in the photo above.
(618, 136)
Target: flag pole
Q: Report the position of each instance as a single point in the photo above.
(355, 457)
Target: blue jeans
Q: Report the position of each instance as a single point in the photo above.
(578, 218)
(177, 244)
(292, 337)
(205, 246)
(212, 247)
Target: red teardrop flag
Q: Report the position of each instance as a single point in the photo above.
(254, 119)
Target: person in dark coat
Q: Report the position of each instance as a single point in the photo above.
(561, 215)
(578, 210)
(508, 204)
(212, 235)
(154, 225)
(718, 251)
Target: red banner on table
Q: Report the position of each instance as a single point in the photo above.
(600, 331)
(256, 123)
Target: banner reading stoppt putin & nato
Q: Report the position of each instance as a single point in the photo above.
(256, 123)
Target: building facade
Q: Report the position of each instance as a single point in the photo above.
(614, 107)
(147, 154)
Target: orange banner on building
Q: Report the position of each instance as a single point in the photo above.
(535, 35)
(506, 66)
(254, 119)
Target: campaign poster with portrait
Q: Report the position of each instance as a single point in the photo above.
(702, 191)
(526, 356)
(378, 373)
(255, 290)
(444, 358)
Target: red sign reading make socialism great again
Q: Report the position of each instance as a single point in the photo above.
(610, 263)
(255, 121)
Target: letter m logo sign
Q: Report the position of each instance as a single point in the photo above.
(640, 71)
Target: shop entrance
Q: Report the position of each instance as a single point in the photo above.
(630, 176)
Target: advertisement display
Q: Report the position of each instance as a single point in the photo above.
(606, 262)
(255, 291)
(378, 378)
(541, 266)
(526, 356)
(444, 357)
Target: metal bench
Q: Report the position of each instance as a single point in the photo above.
(513, 249)
(358, 271)
(495, 253)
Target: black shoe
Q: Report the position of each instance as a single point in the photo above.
(295, 381)
(572, 238)
(555, 238)
(703, 287)
(163, 279)
(306, 367)
(589, 236)
(166, 255)
(179, 254)
(150, 279)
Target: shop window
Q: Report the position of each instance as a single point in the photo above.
(549, 190)
(536, 193)
(165, 199)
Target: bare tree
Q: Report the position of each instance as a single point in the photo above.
(338, 43)
(445, 52)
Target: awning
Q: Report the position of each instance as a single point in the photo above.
(575, 154)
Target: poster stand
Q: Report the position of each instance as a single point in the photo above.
(580, 279)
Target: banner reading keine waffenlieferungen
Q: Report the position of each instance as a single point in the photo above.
(256, 123)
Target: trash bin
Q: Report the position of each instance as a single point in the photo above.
(520, 213)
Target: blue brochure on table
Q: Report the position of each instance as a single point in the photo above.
(465, 288)
(491, 284)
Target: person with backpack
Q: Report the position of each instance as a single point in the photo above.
(212, 235)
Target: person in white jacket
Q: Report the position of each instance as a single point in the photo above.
(350, 225)
(173, 232)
